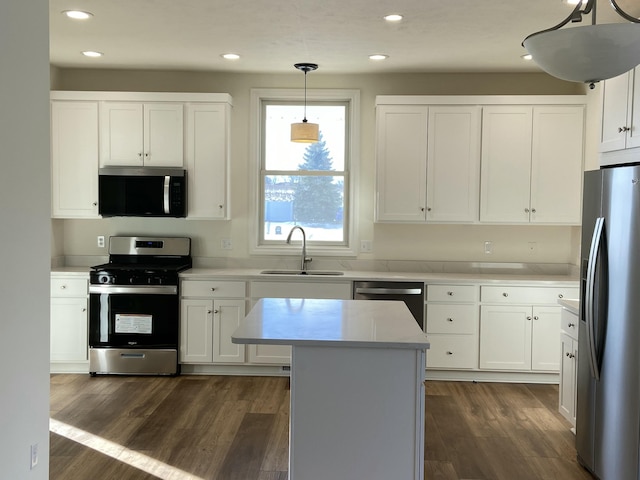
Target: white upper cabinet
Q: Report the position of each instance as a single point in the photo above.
(532, 164)
(207, 160)
(401, 163)
(620, 112)
(427, 163)
(453, 163)
(141, 134)
(74, 159)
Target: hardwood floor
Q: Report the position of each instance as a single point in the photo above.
(228, 428)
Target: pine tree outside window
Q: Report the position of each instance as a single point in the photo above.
(308, 185)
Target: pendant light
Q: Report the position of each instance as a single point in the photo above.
(305, 132)
(589, 53)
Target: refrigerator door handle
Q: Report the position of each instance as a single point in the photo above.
(589, 297)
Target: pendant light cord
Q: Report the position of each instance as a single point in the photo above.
(304, 120)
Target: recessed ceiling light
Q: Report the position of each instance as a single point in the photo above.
(77, 14)
(378, 57)
(90, 53)
(394, 17)
(526, 56)
(230, 56)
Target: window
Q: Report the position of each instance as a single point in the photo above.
(309, 185)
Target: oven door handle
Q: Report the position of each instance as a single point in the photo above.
(128, 290)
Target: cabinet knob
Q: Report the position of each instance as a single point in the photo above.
(213, 289)
(220, 206)
(623, 129)
(428, 209)
(140, 154)
(146, 154)
(84, 309)
(422, 209)
(449, 353)
(208, 312)
(536, 318)
(526, 210)
(570, 355)
(560, 295)
(95, 204)
(528, 318)
(450, 294)
(449, 319)
(505, 294)
(533, 210)
(62, 287)
(216, 311)
(571, 325)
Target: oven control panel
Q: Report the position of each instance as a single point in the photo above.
(131, 278)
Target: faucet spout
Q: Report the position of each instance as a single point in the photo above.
(304, 259)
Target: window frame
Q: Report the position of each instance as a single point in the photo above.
(352, 143)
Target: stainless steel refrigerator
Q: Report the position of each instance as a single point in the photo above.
(608, 405)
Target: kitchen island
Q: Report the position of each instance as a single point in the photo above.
(357, 385)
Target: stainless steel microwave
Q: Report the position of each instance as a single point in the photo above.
(142, 192)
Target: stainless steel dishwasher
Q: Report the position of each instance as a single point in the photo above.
(411, 293)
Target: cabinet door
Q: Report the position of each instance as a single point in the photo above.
(121, 134)
(74, 159)
(556, 165)
(453, 164)
(163, 135)
(506, 164)
(196, 331)
(545, 338)
(69, 334)
(505, 337)
(401, 163)
(207, 154)
(633, 134)
(227, 317)
(615, 99)
(567, 389)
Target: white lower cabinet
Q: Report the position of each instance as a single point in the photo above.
(296, 292)
(207, 321)
(515, 333)
(569, 366)
(452, 326)
(69, 324)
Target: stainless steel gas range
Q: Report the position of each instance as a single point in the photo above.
(134, 306)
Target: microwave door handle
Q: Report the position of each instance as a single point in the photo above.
(167, 183)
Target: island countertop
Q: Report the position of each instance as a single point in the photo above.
(320, 322)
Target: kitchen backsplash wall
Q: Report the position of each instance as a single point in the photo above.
(443, 243)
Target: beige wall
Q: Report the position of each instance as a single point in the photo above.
(390, 242)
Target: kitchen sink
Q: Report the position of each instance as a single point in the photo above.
(300, 272)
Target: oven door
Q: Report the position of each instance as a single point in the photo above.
(133, 316)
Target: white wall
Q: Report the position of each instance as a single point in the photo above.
(390, 242)
(25, 252)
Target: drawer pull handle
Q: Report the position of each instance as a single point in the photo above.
(505, 294)
(560, 295)
(450, 294)
(570, 355)
(449, 353)
(571, 325)
(449, 319)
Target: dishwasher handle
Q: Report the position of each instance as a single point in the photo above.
(389, 291)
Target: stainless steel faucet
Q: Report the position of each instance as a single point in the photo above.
(304, 259)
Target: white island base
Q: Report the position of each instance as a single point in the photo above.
(357, 386)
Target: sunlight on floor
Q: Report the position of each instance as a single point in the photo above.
(120, 453)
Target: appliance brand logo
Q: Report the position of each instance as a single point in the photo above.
(132, 343)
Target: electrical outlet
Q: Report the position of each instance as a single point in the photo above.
(226, 244)
(366, 246)
(488, 248)
(34, 455)
(101, 241)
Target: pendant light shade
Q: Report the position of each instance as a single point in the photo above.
(589, 53)
(305, 132)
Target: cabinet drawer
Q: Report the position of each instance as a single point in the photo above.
(569, 322)
(301, 290)
(453, 351)
(212, 289)
(451, 318)
(452, 293)
(68, 287)
(526, 295)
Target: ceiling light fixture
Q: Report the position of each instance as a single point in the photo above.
(90, 53)
(230, 56)
(305, 132)
(589, 53)
(394, 17)
(378, 57)
(526, 56)
(77, 14)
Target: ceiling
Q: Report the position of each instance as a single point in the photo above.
(272, 35)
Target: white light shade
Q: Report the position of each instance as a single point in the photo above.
(304, 132)
(587, 54)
